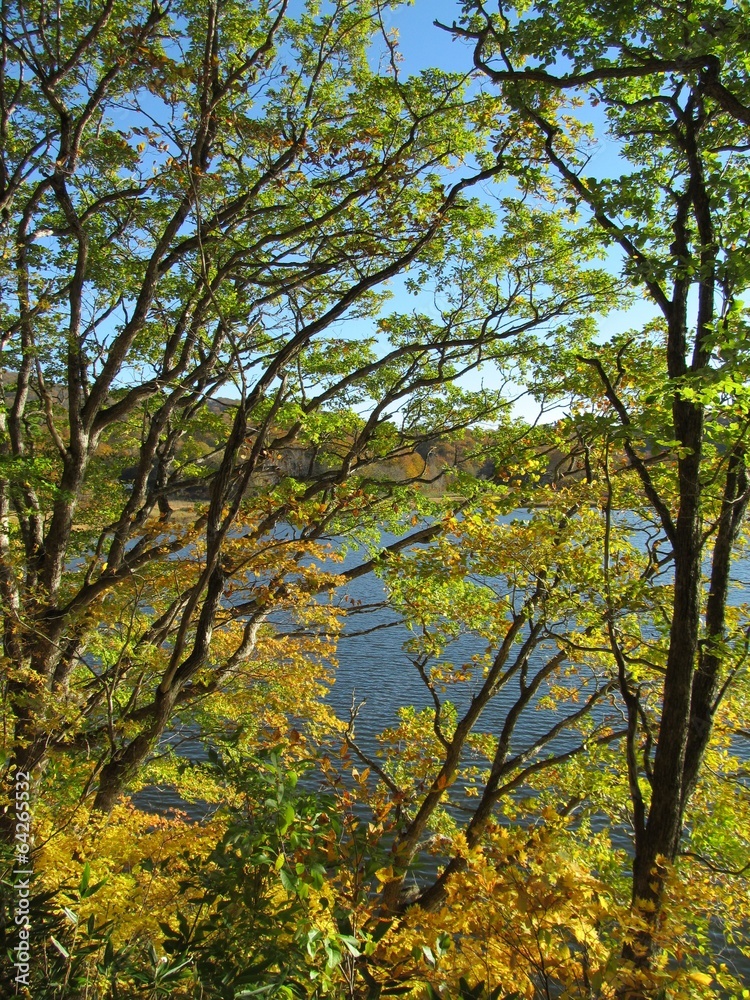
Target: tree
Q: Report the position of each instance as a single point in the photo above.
(503, 799)
(193, 198)
(510, 584)
(670, 87)
(202, 207)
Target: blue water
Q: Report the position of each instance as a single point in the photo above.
(377, 675)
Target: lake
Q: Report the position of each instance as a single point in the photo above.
(374, 670)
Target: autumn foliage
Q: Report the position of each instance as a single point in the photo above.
(268, 298)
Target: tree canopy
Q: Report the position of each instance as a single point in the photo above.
(214, 421)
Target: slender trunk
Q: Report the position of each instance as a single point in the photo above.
(661, 837)
(705, 693)
(116, 773)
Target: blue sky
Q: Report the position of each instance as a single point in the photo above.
(423, 45)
